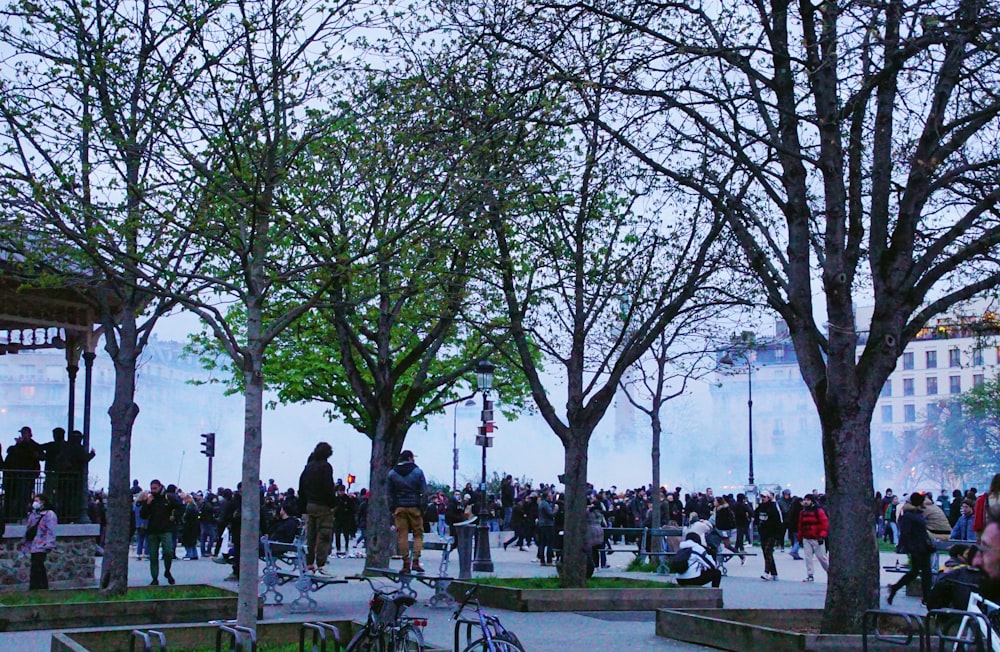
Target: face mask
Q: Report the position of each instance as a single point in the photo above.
(36, 505)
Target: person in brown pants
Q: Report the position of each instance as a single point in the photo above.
(407, 487)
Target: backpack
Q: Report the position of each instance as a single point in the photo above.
(678, 563)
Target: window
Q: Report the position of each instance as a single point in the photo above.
(931, 359)
(977, 380)
(977, 357)
(954, 358)
(886, 414)
(933, 411)
(886, 389)
(955, 384)
(931, 385)
(909, 413)
(907, 360)
(907, 387)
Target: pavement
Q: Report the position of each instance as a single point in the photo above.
(539, 632)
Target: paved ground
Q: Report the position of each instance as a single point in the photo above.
(622, 631)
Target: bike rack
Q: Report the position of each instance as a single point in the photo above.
(236, 635)
(320, 631)
(914, 624)
(148, 638)
(970, 638)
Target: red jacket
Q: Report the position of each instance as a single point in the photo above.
(813, 523)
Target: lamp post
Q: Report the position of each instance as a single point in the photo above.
(484, 382)
(748, 356)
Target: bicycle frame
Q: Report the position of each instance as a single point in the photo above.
(980, 605)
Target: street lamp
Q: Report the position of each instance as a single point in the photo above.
(484, 383)
(454, 444)
(748, 356)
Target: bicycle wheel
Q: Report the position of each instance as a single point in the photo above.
(480, 645)
(409, 639)
(366, 641)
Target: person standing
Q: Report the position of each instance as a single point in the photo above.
(39, 539)
(317, 494)
(813, 528)
(161, 513)
(915, 541)
(22, 468)
(407, 487)
(771, 529)
(546, 530)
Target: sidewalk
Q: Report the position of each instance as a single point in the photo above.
(620, 631)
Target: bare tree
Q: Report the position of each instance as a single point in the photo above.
(851, 149)
(87, 95)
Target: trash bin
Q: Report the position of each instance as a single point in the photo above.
(464, 535)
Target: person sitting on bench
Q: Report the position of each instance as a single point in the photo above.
(284, 530)
(701, 568)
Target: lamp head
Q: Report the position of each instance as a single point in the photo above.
(484, 374)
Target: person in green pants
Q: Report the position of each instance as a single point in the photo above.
(161, 511)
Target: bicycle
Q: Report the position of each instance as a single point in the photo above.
(494, 636)
(976, 630)
(386, 628)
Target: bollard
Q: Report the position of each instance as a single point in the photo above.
(463, 543)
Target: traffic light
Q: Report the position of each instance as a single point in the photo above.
(351, 479)
(208, 444)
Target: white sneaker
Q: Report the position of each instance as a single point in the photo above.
(767, 577)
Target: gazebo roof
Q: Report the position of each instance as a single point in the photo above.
(31, 315)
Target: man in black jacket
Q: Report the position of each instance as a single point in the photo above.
(161, 513)
(771, 528)
(407, 487)
(317, 494)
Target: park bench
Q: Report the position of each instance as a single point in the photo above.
(305, 582)
(437, 582)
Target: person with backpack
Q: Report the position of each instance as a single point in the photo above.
(693, 565)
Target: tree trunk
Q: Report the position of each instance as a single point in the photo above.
(379, 537)
(575, 551)
(121, 343)
(246, 613)
(657, 429)
(853, 587)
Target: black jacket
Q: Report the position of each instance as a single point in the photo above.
(316, 484)
(407, 486)
(769, 522)
(163, 513)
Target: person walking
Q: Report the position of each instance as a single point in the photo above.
(915, 541)
(771, 529)
(407, 486)
(161, 513)
(317, 494)
(39, 539)
(813, 528)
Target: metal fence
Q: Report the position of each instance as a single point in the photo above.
(66, 493)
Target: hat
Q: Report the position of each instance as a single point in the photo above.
(406, 456)
(766, 494)
(25, 429)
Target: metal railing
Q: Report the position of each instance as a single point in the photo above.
(65, 491)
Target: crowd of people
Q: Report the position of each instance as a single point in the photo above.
(165, 519)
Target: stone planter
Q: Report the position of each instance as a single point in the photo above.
(624, 599)
(774, 630)
(180, 638)
(98, 613)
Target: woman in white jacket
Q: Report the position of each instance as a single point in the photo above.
(701, 569)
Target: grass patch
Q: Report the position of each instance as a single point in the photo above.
(67, 596)
(553, 583)
(636, 566)
(885, 546)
